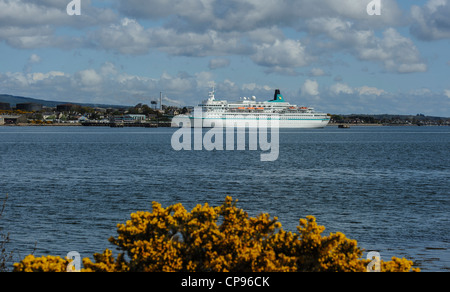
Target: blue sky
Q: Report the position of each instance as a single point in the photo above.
(323, 53)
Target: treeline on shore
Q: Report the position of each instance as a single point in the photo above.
(387, 119)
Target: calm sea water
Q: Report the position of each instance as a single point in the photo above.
(386, 187)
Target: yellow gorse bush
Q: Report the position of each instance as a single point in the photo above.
(43, 264)
(220, 239)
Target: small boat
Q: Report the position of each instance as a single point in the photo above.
(344, 127)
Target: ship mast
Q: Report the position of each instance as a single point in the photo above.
(212, 94)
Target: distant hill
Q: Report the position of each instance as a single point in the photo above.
(13, 100)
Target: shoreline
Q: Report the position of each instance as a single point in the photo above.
(332, 125)
(384, 125)
(49, 125)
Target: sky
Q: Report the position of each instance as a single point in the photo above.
(328, 54)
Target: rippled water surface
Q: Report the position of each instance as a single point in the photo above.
(386, 187)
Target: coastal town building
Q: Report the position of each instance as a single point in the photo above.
(5, 106)
(29, 107)
(65, 107)
(129, 118)
(12, 120)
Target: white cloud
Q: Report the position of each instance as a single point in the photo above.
(310, 88)
(172, 101)
(447, 93)
(366, 90)
(108, 69)
(284, 54)
(28, 37)
(34, 59)
(36, 84)
(39, 77)
(128, 37)
(248, 15)
(36, 13)
(421, 92)
(251, 28)
(340, 88)
(316, 72)
(431, 22)
(22, 12)
(31, 24)
(195, 44)
(213, 28)
(176, 84)
(252, 87)
(402, 55)
(204, 80)
(89, 78)
(396, 52)
(191, 10)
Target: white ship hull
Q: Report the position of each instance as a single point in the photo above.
(263, 121)
(283, 124)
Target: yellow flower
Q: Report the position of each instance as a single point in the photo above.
(219, 239)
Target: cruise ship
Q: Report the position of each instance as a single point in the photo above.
(215, 112)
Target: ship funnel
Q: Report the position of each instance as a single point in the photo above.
(278, 97)
(277, 92)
